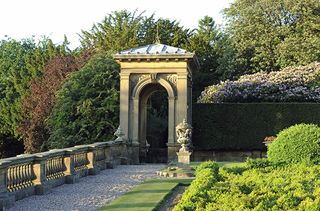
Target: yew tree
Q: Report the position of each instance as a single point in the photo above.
(87, 105)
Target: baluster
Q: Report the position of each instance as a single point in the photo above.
(61, 164)
(55, 167)
(28, 174)
(49, 169)
(16, 177)
(23, 176)
(20, 177)
(9, 177)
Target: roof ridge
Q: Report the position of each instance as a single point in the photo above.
(155, 49)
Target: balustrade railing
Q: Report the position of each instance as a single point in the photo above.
(20, 175)
(26, 175)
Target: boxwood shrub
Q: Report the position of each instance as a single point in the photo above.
(286, 187)
(297, 143)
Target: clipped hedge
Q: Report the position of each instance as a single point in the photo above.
(289, 187)
(295, 144)
(243, 126)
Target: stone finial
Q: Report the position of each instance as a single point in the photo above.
(184, 134)
(120, 135)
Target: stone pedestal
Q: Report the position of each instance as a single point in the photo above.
(134, 153)
(184, 157)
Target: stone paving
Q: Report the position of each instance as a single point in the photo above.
(92, 192)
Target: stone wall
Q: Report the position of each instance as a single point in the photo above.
(226, 155)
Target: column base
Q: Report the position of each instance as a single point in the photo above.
(133, 152)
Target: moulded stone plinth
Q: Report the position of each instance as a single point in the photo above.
(184, 157)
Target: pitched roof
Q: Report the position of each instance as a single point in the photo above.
(155, 49)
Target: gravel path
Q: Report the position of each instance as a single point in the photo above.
(91, 192)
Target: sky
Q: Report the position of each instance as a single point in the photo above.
(56, 18)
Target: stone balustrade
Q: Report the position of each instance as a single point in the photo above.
(31, 174)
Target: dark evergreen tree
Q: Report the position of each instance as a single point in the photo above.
(87, 106)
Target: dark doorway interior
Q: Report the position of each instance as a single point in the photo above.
(157, 127)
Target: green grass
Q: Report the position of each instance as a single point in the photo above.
(146, 196)
(150, 194)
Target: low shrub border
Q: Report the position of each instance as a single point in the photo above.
(260, 185)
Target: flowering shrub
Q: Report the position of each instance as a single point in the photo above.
(298, 84)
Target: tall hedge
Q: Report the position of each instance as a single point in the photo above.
(243, 126)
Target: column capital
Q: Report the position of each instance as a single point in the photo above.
(124, 75)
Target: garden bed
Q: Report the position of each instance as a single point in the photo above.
(261, 186)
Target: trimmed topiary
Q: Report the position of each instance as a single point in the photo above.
(213, 166)
(295, 144)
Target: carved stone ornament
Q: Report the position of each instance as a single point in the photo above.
(153, 77)
(120, 135)
(144, 76)
(184, 134)
(172, 79)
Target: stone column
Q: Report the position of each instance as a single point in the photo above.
(135, 145)
(6, 199)
(171, 120)
(124, 103)
(182, 100)
(39, 170)
(135, 122)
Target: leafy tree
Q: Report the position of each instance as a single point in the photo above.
(20, 62)
(38, 105)
(87, 106)
(170, 33)
(123, 29)
(15, 57)
(206, 41)
(269, 35)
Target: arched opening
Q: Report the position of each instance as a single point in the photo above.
(153, 128)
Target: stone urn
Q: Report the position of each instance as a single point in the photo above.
(184, 134)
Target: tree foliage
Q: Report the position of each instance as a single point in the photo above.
(123, 29)
(87, 105)
(20, 62)
(206, 41)
(269, 35)
(38, 105)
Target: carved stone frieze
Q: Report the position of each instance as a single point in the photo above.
(172, 78)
